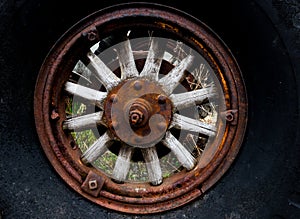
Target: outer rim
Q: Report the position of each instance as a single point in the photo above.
(114, 196)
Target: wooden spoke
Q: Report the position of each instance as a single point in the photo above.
(194, 125)
(94, 96)
(154, 59)
(183, 155)
(105, 75)
(82, 122)
(153, 165)
(122, 164)
(172, 79)
(126, 60)
(187, 99)
(97, 149)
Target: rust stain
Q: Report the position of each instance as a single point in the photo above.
(167, 26)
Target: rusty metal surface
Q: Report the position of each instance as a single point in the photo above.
(92, 184)
(49, 110)
(138, 112)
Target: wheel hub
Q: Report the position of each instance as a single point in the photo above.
(141, 114)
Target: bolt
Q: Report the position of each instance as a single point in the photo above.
(113, 98)
(91, 36)
(136, 117)
(229, 117)
(162, 99)
(54, 115)
(93, 184)
(137, 85)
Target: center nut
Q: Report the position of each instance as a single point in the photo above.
(138, 112)
(136, 117)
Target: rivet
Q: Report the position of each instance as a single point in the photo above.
(138, 139)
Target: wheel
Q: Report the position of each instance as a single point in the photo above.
(254, 44)
(140, 108)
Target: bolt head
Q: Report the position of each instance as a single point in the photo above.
(137, 85)
(162, 99)
(113, 98)
(91, 36)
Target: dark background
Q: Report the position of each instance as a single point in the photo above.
(264, 180)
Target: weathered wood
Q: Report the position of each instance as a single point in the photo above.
(97, 149)
(187, 99)
(82, 71)
(122, 164)
(105, 75)
(153, 165)
(85, 121)
(172, 79)
(126, 60)
(94, 96)
(194, 125)
(183, 155)
(154, 59)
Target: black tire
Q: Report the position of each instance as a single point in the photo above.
(264, 180)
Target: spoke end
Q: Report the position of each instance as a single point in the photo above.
(156, 182)
(90, 54)
(191, 165)
(117, 181)
(85, 161)
(65, 126)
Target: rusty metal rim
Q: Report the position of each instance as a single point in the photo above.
(191, 183)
